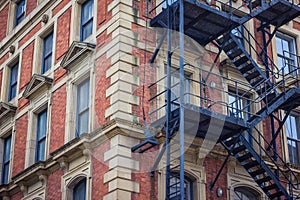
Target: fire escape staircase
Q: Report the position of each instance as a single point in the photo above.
(206, 24)
(272, 177)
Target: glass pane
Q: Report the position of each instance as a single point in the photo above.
(79, 191)
(47, 63)
(87, 30)
(5, 173)
(83, 122)
(83, 95)
(7, 146)
(48, 44)
(41, 150)
(42, 125)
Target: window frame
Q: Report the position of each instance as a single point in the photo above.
(44, 136)
(84, 182)
(86, 109)
(292, 51)
(245, 191)
(19, 17)
(6, 162)
(188, 187)
(85, 22)
(295, 159)
(13, 69)
(47, 55)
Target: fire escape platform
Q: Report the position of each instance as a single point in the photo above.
(277, 12)
(202, 22)
(204, 123)
(290, 99)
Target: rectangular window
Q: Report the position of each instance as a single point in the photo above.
(286, 53)
(13, 82)
(239, 106)
(41, 136)
(293, 138)
(6, 159)
(20, 12)
(82, 118)
(175, 89)
(87, 14)
(47, 53)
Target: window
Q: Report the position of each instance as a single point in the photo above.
(6, 159)
(41, 136)
(79, 191)
(20, 12)
(175, 89)
(175, 188)
(239, 106)
(293, 138)
(87, 14)
(242, 193)
(82, 118)
(47, 53)
(286, 53)
(13, 82)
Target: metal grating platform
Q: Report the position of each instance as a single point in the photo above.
(203, 123)
(277, 12)
(202, 22)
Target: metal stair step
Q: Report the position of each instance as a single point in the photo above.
(276, 194)
(238, 149)
(252, 75)
(244, 157)
(269, 187)
(230, 142)
(241, 61)
(251, 164)
(235, 52)
(229, 45)
(257, 172)
(263, 180)
(246, 68)
(255, 3)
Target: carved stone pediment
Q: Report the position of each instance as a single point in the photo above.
(6, 109)
(36, 82)
(76, 52)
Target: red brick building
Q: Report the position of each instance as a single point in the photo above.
(74, 79)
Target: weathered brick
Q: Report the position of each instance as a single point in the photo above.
(60, 6)
(20, 144)
(26, 67)
(30, 6)
(31, 33)
(63, 34)
(54, 185)
(3, 21)
(58, 118)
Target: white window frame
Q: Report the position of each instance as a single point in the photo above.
(296, 141)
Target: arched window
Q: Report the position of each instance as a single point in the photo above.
(175, 188)
(243, 193)
(79, 190)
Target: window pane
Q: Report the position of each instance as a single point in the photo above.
(83, 121)
(20, 12)
(41, 150)
(42, 125)
(47, 53)
(13, 82)
(87, 19)
(79, 191)
(5, 174)
(83, 95)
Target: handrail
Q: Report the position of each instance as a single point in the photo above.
(285, 165)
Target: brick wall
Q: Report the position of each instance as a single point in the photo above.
(3, 21)
(54, 185)
(63, 34)
(26, 66)
(30, 5)
(58, 118)
(20, 144)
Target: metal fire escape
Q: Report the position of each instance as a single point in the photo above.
(212, 24)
